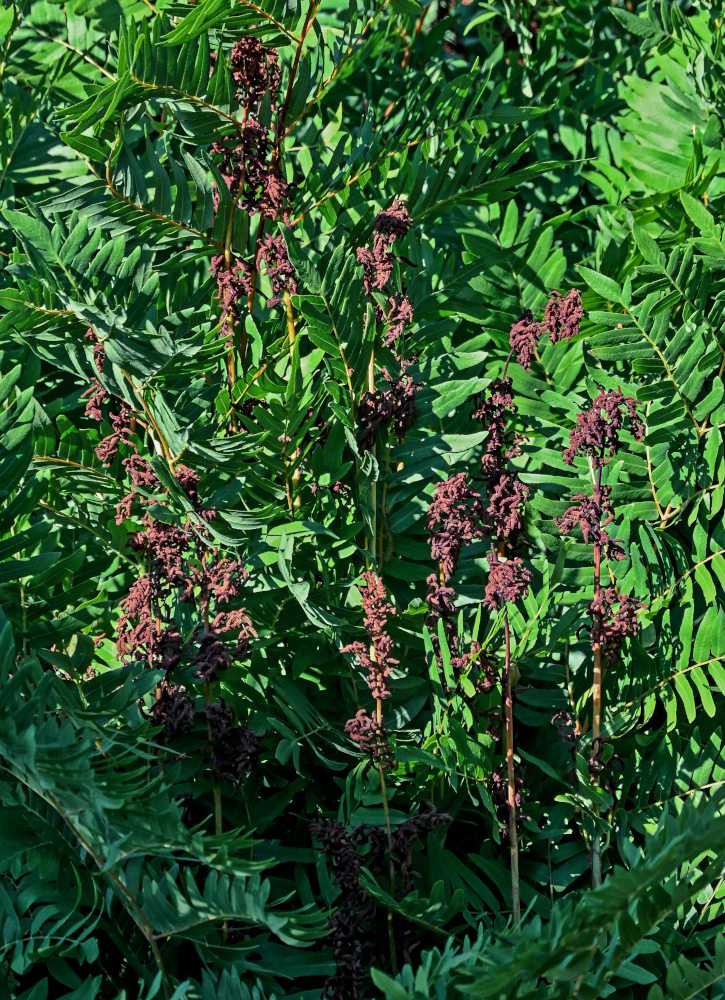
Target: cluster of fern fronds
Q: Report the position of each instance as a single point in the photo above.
(361, 488)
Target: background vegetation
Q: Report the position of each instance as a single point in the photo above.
(271, 724)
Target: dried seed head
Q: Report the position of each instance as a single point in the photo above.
(394, 221)
(174, 710)
(455, 519)
(597, 429)
(369, 734)
(273, 252)
(392, 407)
(523, 338)
(376, 659)
(563, 315)
(507, 582)
(591, 515)
(378, 263)
(610, 628)
(255, 71)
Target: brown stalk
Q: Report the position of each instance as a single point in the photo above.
(277, 155)
(388, 832)
(371, 543)
(292, 334)
(236, 195)
(218, 817)
(511, 777)
(508, 701)
(311, 14)
(373, 485)
(218, 822)
(597, 703)
(326, 83)
(409, 50)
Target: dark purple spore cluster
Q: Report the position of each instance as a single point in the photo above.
(561, 322)
(249, 160)
(375, 658)
(596, 436)
(347, 851)
(597, 430)
(393, 406)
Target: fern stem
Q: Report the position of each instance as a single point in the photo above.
(373, 484)
(651, 480)
(293, 494)
(56, 39)
(287, 486)
(23, 602)
(309, 18)
(145, 211)
(160, 439)
(383, 518)
(372, 540)
(218, 815)
(668, 372)
(291, 332)
(134, 907)
(252, 284)
(235, 196)
(507, 363)
(276, 157)
(24, 611)
(381, 526)
(411, 43)
(336, 69)
(511, 777)
(389, 837)
(597, 701)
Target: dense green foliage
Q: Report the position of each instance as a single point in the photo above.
(537, 148)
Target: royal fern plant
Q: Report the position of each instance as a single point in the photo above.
(362, 559)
